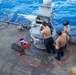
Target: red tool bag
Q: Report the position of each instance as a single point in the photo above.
(24, 43)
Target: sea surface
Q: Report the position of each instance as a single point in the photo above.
(63, 10)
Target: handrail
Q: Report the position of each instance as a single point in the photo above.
(10, 23)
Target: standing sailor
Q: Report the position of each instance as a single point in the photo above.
(60, 44)
(66, 27)
(66, 30)
(48, 40)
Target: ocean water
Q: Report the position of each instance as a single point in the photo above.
(63, 10)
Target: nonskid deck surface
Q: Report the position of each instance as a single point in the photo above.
(34, 62)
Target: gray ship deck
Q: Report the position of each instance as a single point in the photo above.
(34, 62)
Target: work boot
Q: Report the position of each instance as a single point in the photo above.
(57, 58)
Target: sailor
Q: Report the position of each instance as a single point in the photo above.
(66, 27)
(60, 44)
(48, 40)
(66, 30)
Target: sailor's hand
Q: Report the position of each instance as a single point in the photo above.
(41, 28)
